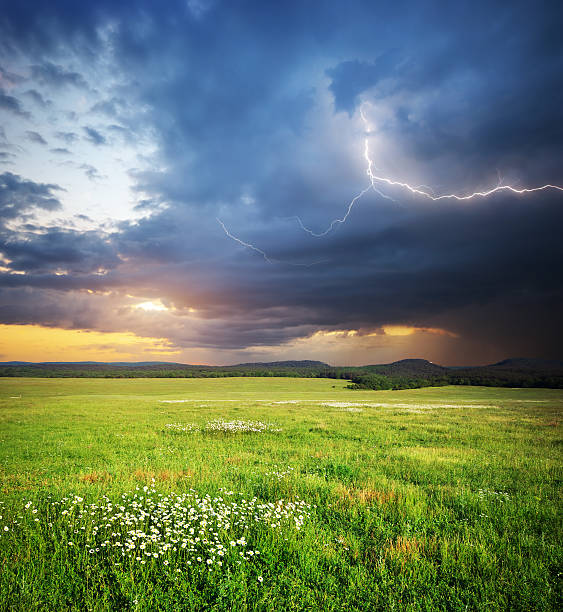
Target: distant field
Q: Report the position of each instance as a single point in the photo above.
(430, 499)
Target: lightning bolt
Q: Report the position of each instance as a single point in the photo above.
(375, 181)
(270, 260)
(245, 244)
(421, 190)
(336, 221)
(369, 171)
(454, 196)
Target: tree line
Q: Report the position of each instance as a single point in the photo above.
(366, 377)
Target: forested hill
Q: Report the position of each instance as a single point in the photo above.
(530, 364)
(410, 373)
(407, 373)
(306, 363)
(168, 364)
(304, 368)
(409, 367)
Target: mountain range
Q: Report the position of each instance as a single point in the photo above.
(420, 368)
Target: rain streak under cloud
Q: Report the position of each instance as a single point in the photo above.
(127, 131)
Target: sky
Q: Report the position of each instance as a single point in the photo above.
(212, 181)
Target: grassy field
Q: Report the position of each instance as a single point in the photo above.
(137, 494)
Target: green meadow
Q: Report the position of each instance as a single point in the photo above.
(278, 494)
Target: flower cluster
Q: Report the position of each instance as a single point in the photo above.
(223, 426)
(144, 526)
(345, 405)
(278, 473)
(186, 427)
(240, 426)
(500, 495)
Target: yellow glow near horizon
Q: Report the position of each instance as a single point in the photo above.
(151, 306)
(388, 330)
(399, 330)
(339, 333)
(37, 343)
(406, 330)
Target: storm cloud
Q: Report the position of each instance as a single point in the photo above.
(263, 125)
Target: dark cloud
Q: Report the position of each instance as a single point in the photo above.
(54, 249)
(19, 196)
(38, 98)
(351, 78)
(12, 105)
(262, 124)
(6, 157)
(90, 171)
(10, 79)
(94, 136)
(60, 151)
(447, 103)
(406, 273)
(112, 107)
(35, 137)
(56, 76)
(68, 137)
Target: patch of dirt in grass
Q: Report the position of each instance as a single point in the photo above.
(94, 477)
(406, 548)
(352, 495)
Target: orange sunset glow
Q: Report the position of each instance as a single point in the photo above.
(36, 343)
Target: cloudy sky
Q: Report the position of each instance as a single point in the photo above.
(212, 181)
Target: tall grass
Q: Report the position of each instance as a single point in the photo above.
(430, 499)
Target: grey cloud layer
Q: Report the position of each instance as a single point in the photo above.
(253, 109)
(12, 105)
(35, 137)
(56, 76)
(94, 136)
(19, 196)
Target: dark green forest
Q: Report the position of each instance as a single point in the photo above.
(405, 374)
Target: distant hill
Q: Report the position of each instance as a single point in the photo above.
(516, 372)
(14, 363)
(306, 363)
(409, 367)
(124, 369)
(406, 373)
(523, 363)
